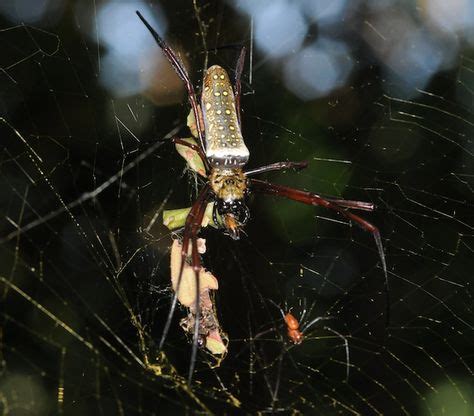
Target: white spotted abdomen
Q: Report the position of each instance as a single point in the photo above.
(225, 146)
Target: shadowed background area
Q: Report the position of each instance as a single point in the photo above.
(376, 95)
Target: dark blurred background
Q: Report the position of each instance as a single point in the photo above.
(376, 95)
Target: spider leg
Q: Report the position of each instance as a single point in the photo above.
(196, 263)
(277, 166)
(347, 203)
(306, 311)
(238, 74)
(190, 234)
(316, 200)
(191, 229)
(314, 321)
(193, 147)
(279, 308)
(346, 343)
(182, 73)
(346, 346)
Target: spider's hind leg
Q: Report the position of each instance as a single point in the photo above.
(238, 85)
(182, 73)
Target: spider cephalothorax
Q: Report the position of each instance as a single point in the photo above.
(228, 184)
(229, 187)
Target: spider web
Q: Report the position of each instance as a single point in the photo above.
(87, 169)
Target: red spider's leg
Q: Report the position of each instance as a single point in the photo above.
(277, 166)
(193, 147)
(238, 74)
(191, 229)
(346, 347)
(182, 73)
(314, 199)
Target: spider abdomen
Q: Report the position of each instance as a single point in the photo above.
(225, 147)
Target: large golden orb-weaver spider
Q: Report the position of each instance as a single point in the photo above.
(224, 155)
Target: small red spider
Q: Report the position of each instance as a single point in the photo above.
(296, 329)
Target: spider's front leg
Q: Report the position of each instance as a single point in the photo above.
(191, 229)
(346, 203)
(337, 205)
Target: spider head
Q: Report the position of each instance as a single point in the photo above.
(234, 214)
